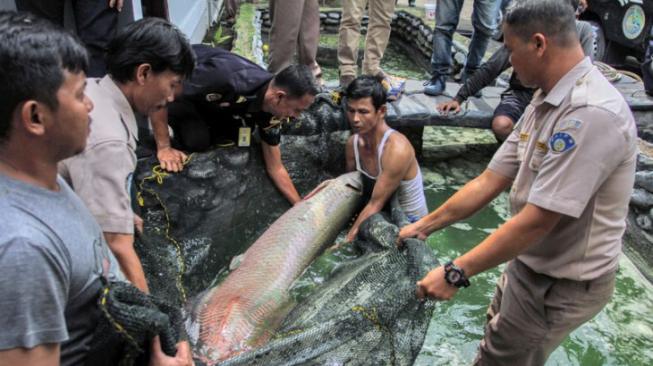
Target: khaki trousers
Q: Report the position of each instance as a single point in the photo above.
(531, 314)
(378, 32)
(295, 27)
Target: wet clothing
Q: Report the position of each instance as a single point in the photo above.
(410, 192)
(378, 33)
(224, 93)
(295, 27)
(517, 96)
(52, 255)
(102, 174)
(572, 152)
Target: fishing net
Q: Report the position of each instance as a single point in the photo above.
(366, 313)
(129, 320)
(196, 221)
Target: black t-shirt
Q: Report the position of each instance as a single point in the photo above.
(226, 91)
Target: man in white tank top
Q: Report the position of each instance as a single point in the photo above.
(380, 153)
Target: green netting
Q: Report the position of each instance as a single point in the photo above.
(129, 320)
(366, 313)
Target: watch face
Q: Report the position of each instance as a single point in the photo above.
(453, 276)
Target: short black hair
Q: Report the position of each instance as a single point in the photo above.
(152, 41)
(296, 81)
(555, 19)
(33, 56)
(367, 86)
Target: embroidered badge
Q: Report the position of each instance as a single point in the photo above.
(561, 142)
(213, 97)
(541, 145)
(570, 124)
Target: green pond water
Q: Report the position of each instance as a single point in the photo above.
(622, 334)
(394, 63)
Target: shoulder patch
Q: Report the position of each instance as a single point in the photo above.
(561, 142)
(570, 124)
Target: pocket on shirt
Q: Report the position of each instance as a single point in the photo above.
(538, 155)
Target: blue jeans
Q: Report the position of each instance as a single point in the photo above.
(484, 18)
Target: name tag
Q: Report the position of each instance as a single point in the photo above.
(244, 136)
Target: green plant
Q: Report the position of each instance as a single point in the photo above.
(219, 37)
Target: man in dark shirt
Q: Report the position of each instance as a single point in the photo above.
(228, 96)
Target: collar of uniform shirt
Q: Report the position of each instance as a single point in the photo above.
(255, 102)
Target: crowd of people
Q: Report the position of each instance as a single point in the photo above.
(68, 142)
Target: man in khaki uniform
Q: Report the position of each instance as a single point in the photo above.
(295, 27)
(571, 162)
(378, 33)
(145, 61)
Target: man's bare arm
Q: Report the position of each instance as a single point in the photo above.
(122, 246)
(468, 200)
(394, 169)
(278, 173)
(508, 241)
(170, 159)
(42, 355)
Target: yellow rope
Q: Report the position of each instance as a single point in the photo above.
(119, 328)
(158, 175)
(613, 74)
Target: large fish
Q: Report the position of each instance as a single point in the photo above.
(243, 311)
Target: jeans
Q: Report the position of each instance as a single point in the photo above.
(484, 18)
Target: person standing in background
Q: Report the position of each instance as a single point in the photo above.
(447, 16)
(378, 33)
(95, 21)
(295, 28)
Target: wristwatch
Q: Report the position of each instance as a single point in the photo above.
(455, 276)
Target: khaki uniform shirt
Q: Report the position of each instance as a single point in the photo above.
(574, 152)
(101, 175)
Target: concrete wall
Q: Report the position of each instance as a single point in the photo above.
(194, 17)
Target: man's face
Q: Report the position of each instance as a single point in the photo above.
(70, 122)
(156, 91)
(362, 115)
(523, 57)
(282, 106)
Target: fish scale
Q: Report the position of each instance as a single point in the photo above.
(242, 312)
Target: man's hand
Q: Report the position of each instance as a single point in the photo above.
(158, 358)
(450, 106)
(410, 231)
(116, 4)
(434, 286)
(171, 159)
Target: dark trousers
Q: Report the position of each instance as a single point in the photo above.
(95, 23)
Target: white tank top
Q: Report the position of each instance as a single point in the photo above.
(410, 192)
